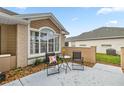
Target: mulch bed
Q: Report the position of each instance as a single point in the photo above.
(22, 72)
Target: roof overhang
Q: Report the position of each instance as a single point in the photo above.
(7, 19)
(101, 38)
(50, 16)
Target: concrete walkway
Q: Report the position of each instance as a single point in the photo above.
(100, 74)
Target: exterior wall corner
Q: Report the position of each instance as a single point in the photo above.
(22, 45)
(122, 57)
(93, 54)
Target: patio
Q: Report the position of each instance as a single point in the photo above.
(100, 74)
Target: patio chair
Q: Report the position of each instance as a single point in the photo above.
(55, 65)
(77, 61)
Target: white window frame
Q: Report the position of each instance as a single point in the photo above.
(43, 54)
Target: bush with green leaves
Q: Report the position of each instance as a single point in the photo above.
(37, 62)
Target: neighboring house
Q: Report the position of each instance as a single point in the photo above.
(103, 38)
(26, 37)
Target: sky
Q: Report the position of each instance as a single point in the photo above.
(77, 20)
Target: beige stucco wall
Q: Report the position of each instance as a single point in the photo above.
(22, 45)
(62, 40)
(116, 44)
(8, 39)
(89, 54)
(122, 58)
(7, 63)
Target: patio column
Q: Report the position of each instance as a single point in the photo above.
(122, 57)
(93, 54)
(62, 40)
(22, 45)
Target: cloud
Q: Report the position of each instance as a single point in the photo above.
(112, 23)
(22, 8)
(75, 18)
(103, 11)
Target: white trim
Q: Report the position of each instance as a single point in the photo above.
(46, 27)
(34, 29)
(36, 55)
(43, 54)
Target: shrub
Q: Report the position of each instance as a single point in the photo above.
(111, 52)
(37, 62)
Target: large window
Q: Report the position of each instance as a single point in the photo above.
(44, 41)
(34, 42)
(57, 43)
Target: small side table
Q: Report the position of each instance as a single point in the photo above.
(65, 60)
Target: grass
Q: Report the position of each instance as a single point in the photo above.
(108, 59)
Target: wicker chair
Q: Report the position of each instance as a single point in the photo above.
(77, 61)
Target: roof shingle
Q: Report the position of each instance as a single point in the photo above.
(99, 33)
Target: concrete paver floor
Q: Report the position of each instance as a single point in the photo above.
(100, 74)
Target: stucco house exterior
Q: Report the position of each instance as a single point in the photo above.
(103, 38)
(26, 37)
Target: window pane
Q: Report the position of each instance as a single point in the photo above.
(36, 47)
(50, 41)
(47, 40)
(43, 42)
(51, 45)
(36, 36)
(32, 38)
(57, 43)
(36, 42)
(31, 48)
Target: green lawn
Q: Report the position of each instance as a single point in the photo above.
(108, 58)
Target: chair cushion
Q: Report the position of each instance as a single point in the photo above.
(47, 56)
(52, 59)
